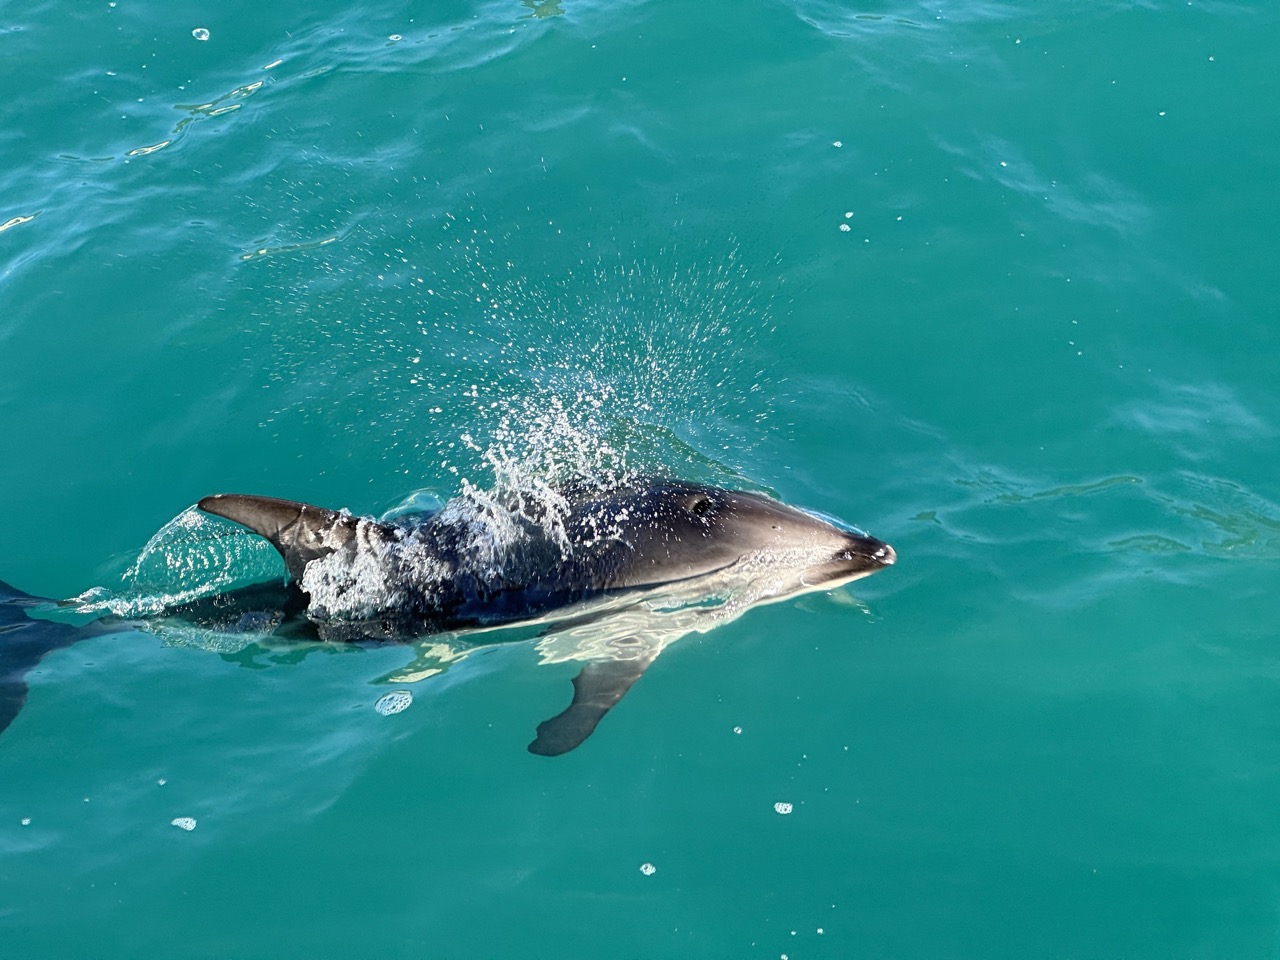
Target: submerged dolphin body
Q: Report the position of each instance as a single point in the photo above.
(613, 575)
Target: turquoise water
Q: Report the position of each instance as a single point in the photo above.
(306, 255)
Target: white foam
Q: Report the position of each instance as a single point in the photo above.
(350, 584)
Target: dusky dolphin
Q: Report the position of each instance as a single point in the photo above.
(612, 575)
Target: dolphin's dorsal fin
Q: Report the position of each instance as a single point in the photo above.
(300, 532)
(600, 685)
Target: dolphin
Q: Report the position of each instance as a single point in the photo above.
(611, 575)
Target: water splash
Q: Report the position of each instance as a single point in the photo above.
(191, 557)
(638, 366)
(456, 363)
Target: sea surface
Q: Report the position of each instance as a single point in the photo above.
(994, 281)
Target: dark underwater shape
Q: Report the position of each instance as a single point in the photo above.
(24, 641)
(614, 574)
(600, 685)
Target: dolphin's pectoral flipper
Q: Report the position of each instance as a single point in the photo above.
(23, 642)
(300, 531)
(600, 685)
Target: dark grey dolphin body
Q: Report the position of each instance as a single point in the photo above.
(599, 560)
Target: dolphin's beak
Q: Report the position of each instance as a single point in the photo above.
(866, 554)
(859, 557)
(868, 548)
(885, 554)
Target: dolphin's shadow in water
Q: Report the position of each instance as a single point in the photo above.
(608, 578)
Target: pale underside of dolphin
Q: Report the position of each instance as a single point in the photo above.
(610, 576)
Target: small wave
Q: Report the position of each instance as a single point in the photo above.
(190, 558)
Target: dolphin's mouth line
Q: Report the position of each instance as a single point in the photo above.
(688, 579)
(835, 581)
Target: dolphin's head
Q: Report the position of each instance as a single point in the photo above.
(665, 531)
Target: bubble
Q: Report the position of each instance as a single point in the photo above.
(184, 823)
(200, 33)
(648, 869)
(782, 807)
(397, 701)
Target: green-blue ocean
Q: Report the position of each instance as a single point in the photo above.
(993, 281)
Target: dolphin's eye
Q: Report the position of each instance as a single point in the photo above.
(700, 505)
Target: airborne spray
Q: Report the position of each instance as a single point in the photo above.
(464, 364)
